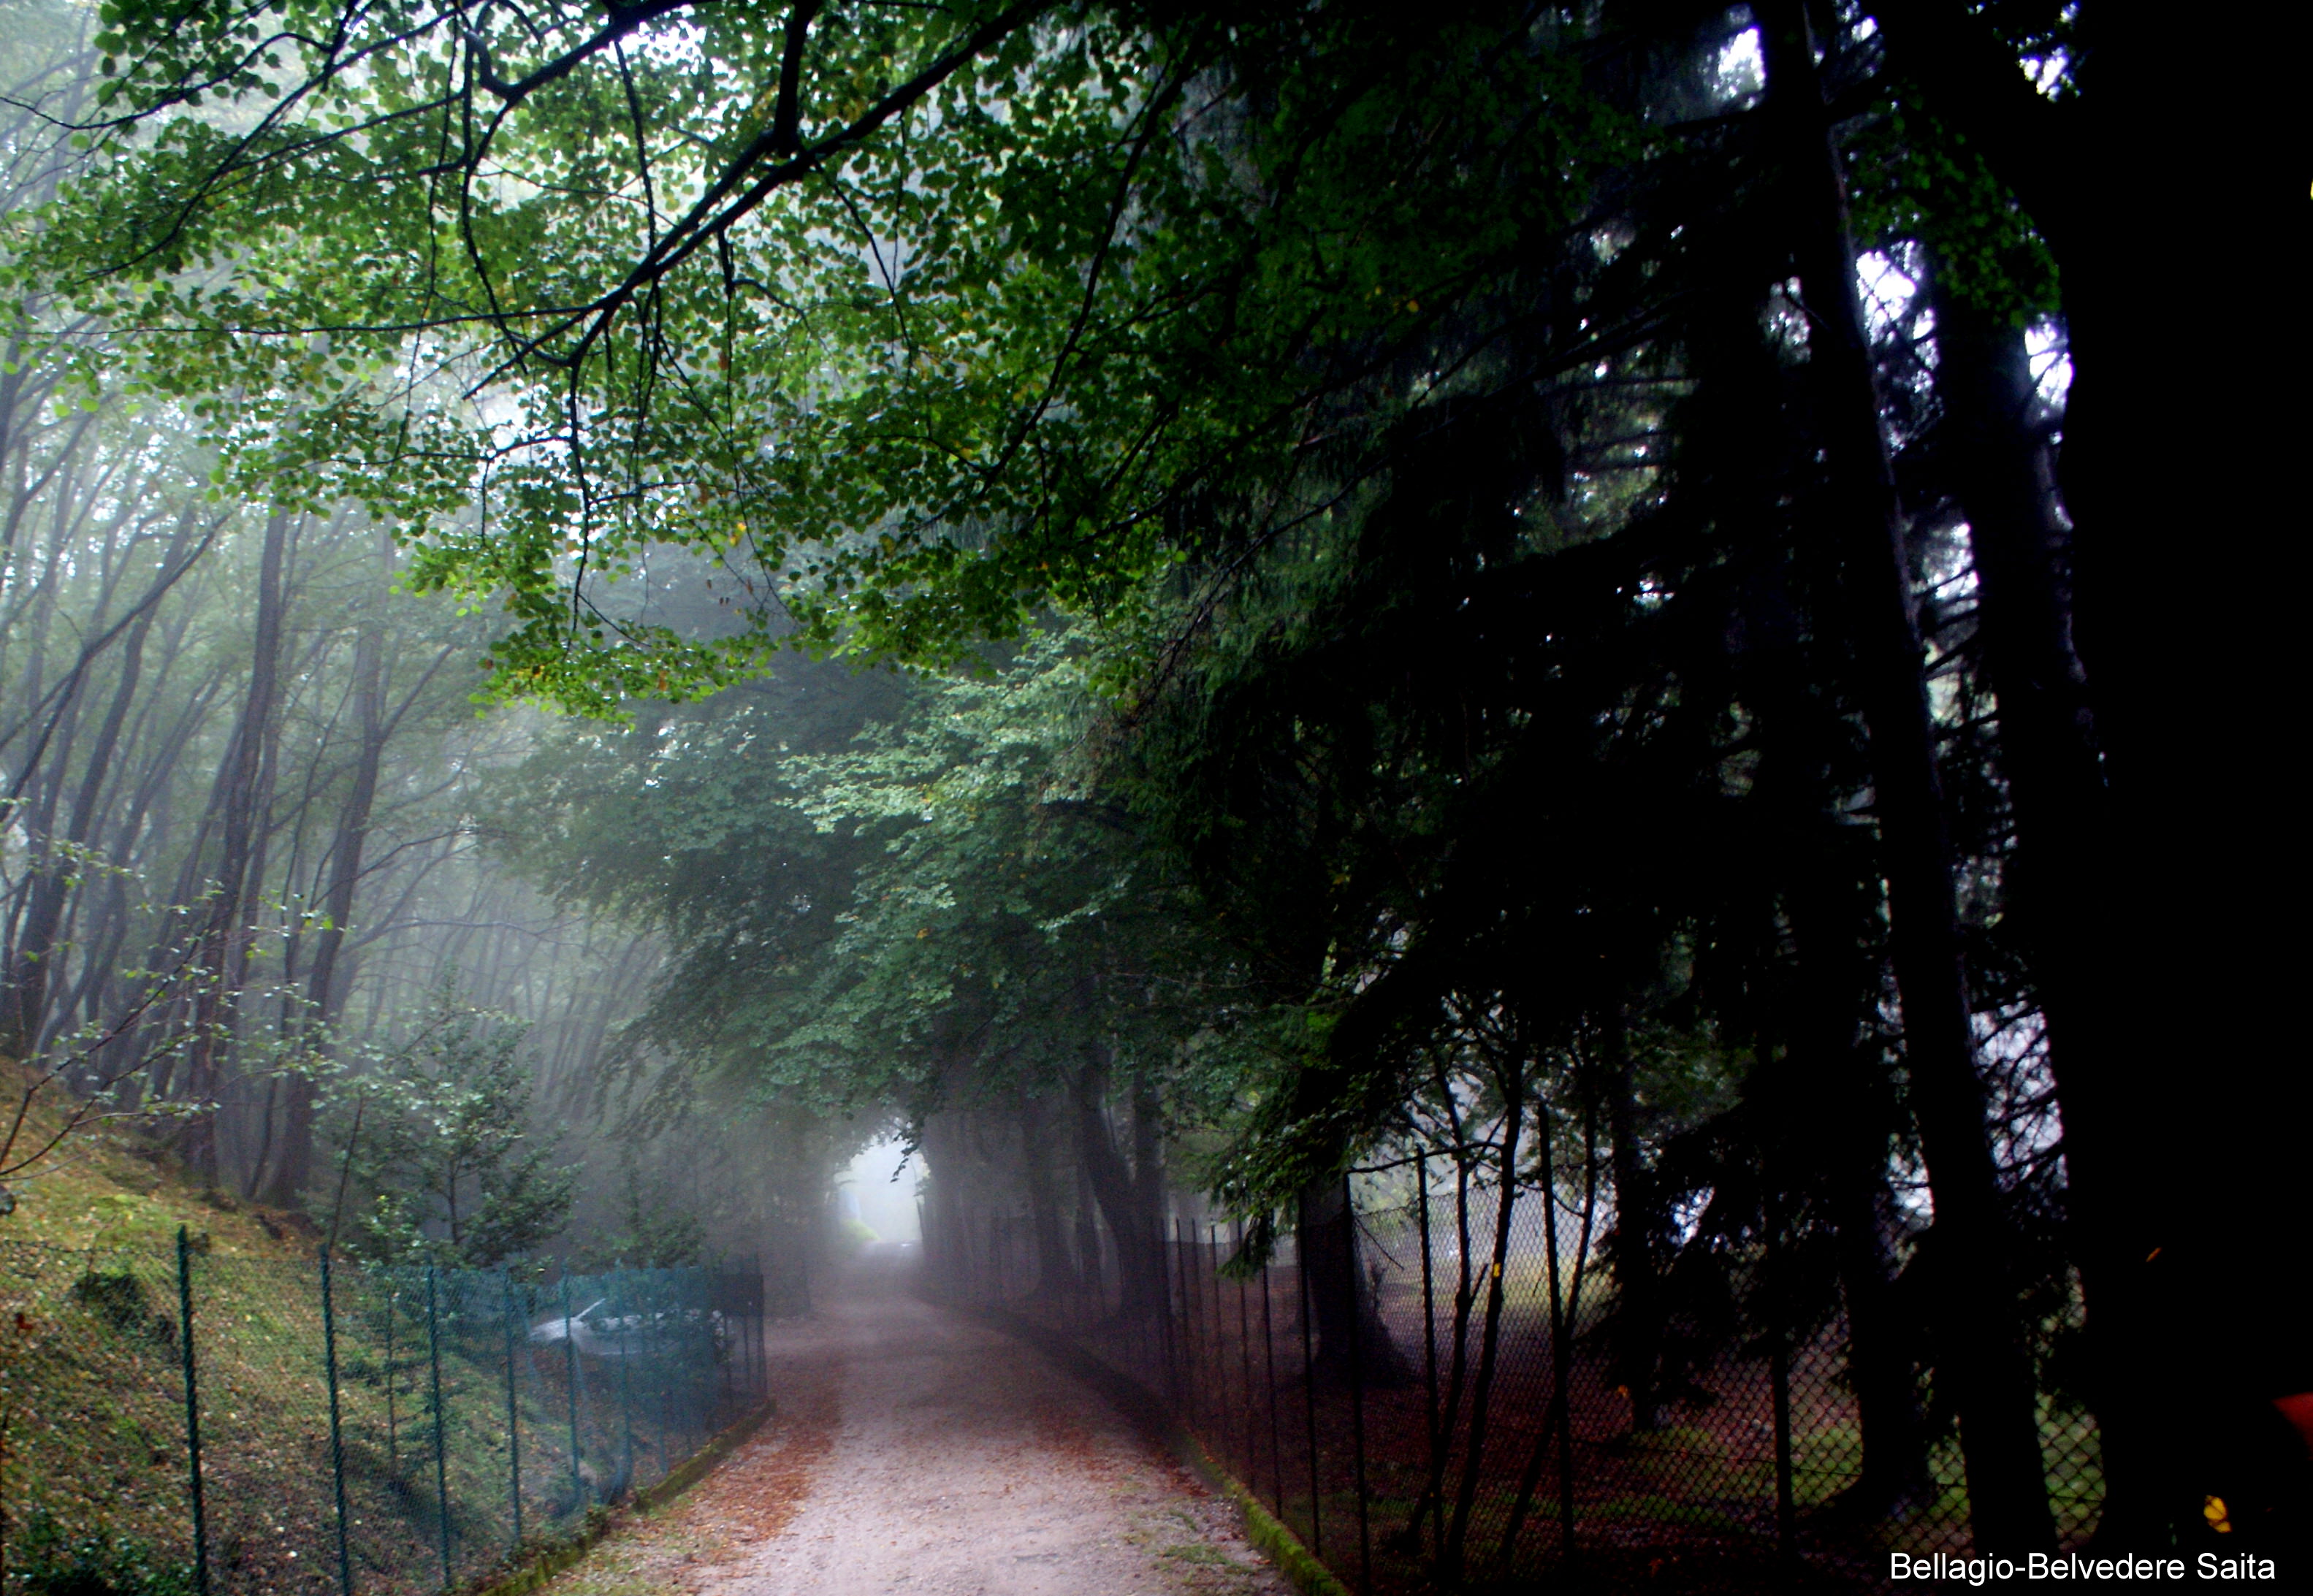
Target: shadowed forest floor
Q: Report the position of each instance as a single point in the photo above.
(917, 1452)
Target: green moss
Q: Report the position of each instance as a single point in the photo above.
(1276, 1542)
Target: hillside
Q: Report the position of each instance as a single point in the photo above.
(93, 1476)
(106, 1187)
(467, 1427)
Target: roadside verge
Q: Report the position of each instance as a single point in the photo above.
(548, 1561)
(1148, 1413)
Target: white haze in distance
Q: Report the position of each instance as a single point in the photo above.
(885, 1205)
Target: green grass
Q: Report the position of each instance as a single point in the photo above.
(93, 1471)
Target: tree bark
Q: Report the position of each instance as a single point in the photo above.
(1835, 1098)
(1639, 1230)
(2180, 667)
(1340, 1297)
(1055, 1276)
(1123, 1192)
(2062, 890)
(1983, 1356)
(1457, 1528)
(284, 1181)
(1834, 1086)
(26, 979)
(1089, 1270)
(240, 805)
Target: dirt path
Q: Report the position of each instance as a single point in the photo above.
(919, 1453)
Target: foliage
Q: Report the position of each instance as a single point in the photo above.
(436, 1139)
(947, 902)
(655, 1229)
(51, 1562)
(1442, 623)
(829, 353)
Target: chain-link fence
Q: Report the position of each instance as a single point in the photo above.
(1467, 1435)
(185, 1422)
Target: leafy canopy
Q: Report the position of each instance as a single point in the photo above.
(911, 320)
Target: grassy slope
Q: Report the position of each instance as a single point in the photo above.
(92, 1396)
(99, 1187)
(91, 1392)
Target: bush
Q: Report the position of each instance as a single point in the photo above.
(52, 1563)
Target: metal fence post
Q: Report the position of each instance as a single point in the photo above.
(1268, 1366)
(727, 1389)
(627, 1386)
(337, 1430)
(1309, 1398)
(1177, 1325)
(441, 1453)
(570, 1365)
(192, 1411)
(513, 1415)
(1562, 1354)
(1193, 1310)
(1187, 1336)
(1244, 1361)
(1786, 1508)
(702, 1382)
(668, 1399)
(1779, 1375)
(392, 1370)
(750, 1376)
(1358, 1390)
(1428, 1333)
(1210, 1283)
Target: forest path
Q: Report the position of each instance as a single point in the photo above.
(918, 1452)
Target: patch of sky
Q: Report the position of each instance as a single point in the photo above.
(2052, 363)
(878, 1189)
(1889, 293)
(1742, 71)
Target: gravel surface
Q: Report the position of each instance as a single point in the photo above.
(918, 1453)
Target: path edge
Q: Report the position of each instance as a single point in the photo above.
(548, 1561)
(1148, 1412)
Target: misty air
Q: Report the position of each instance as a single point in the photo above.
(853, 797)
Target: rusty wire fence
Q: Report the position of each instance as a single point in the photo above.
(1471, 1439)
(178, 1422)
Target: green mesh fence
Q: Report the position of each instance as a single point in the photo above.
(340, 1427)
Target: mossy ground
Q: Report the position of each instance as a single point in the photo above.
(94, 1486)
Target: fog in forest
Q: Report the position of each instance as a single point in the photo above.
(879, 1187)
(1448, 748)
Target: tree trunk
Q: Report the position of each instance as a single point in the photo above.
(2180, 667)
(2062, 890)
(1341, 1299)
(23, 1004)
(1457, 1528)
(283, 1182)
(1983, 1353)
(1839, 1091)
(1089, 1272)
(1641, 1230)
(240, 807)
(1133, 1221)
(1055, 1276)
(38, 909)
(1836, 1100)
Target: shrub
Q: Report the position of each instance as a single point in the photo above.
(52, 1562)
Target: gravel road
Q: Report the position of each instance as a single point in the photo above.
(918, 1452)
